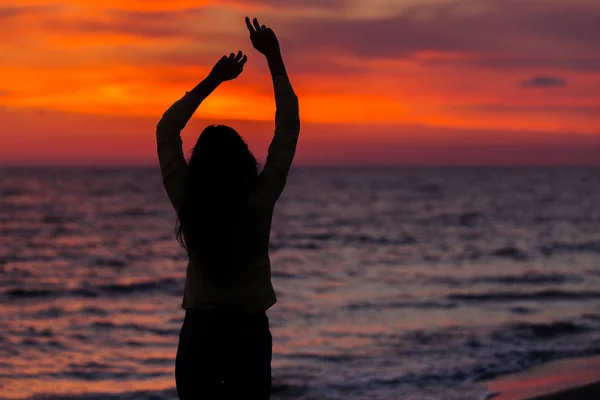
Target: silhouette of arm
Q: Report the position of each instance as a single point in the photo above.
(282, 149)
(168, 131)
(287, 128)
(169, 144)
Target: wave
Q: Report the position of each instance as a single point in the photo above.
(9, 191)
(312, 236)
(135, 327)
(525, 330)
(108, 262)
(273, 245)
(29, 292)
(161, 284)
(510, 252)
(316, 241)
(434, 305)
(145, 394)
(524, 360)
(170, 285)
(529, 278)
(522, 310)
(573, 247)
(526, 278)
(381, 240)
(132, 212)
(518, 296)
(287, 390)
(334, 358)
(41, 293)
(59, 219)
(281, 274)
(592, 317)
(467, 219)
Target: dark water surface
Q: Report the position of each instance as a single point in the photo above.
(392, 283)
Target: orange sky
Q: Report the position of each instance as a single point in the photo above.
(388, 82)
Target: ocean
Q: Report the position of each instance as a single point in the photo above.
(392, 283)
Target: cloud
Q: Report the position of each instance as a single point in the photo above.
(497, 34)
(10, 12)
(549, 33)
(294, 4)
(544, 82)
(535, 109)
(186, 37)
(204, 22)
(148, 24)
(574, 62)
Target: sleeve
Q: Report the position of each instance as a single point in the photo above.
(271, 181)
(173, 166)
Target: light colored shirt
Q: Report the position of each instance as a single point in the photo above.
(253, 293)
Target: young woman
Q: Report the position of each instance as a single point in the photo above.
(224, 210)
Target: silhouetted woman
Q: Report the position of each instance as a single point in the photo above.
(224, 210)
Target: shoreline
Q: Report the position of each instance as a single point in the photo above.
(574, 378)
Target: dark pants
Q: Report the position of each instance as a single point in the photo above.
(224, 355)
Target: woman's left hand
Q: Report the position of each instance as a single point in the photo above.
(228, 68)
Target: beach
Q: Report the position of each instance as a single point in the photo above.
(572, 379)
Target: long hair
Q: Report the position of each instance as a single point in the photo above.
(221, 173)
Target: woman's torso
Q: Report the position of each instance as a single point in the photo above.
(251, 289)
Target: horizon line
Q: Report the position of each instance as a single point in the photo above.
(307, 166)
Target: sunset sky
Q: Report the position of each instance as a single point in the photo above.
(379, 81)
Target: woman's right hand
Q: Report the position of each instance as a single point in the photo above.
(263, 38)
(228, 68)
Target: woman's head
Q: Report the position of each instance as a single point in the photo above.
(221, 154)
(221, 172)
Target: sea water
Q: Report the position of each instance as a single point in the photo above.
(392, 283)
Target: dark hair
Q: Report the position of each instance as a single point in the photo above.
(221, 172)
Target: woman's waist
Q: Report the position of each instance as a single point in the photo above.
(225, 316)
(229, 304)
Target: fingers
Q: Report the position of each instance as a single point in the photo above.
(243, 61)
(256, 24)
(238, 58)
(249, 25)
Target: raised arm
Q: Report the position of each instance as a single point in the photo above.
(168, 131)
(282, 149)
